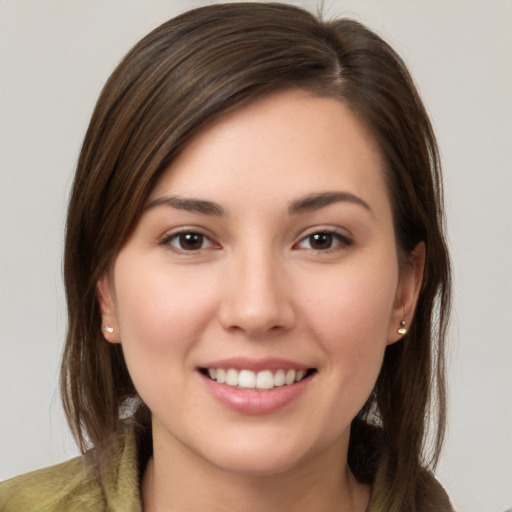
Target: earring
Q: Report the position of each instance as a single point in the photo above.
(402, 329)
(110, 330)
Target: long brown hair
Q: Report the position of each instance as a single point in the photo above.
(180, 78)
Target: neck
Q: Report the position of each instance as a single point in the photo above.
(177, 480)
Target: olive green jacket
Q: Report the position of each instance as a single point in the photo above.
(73, 487)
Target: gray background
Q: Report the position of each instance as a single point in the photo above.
(54, 58)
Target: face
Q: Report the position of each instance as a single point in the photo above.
(257, 294)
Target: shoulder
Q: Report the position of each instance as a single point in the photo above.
(68, 486)
(425, 493)
(429, 496)
(74, 486)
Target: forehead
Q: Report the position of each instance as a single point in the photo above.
(285, 145)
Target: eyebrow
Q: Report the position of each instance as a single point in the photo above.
(317, 201)
(304, 204)
(188, 204)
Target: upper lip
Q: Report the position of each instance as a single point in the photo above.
(242, 363)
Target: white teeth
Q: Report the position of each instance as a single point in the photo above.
(232, 377)
(247, 379)
(290, 377)
(279, 378)
(263, 380)
(221, 375)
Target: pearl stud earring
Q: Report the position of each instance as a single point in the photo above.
(402, 329)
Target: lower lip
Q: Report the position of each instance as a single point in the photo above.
(256, 402)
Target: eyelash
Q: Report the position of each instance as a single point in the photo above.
(167, 241)
(336, 241)
(340, 241)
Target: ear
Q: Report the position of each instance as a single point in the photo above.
(109, 324)
(407, 293)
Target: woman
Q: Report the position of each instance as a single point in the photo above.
(256, 275)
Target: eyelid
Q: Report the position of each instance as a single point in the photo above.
(165, 239)
(343, 239)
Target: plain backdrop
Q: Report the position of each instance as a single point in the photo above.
(54, 58)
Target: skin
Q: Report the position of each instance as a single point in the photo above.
(260, 286)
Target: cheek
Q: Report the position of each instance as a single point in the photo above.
(349, 314)
(161, 315)
(157, 301)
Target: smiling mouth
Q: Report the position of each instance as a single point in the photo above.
(264, 380)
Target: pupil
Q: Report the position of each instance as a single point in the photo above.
(321, 241)
(191, 241)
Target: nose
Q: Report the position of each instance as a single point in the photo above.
(257, 297)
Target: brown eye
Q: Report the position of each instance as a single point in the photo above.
(323, 241)
(188, 241)
(320, 241)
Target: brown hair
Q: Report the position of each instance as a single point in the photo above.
(188, 73)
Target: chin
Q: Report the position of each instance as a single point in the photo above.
(257, 462)
(264, 455)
